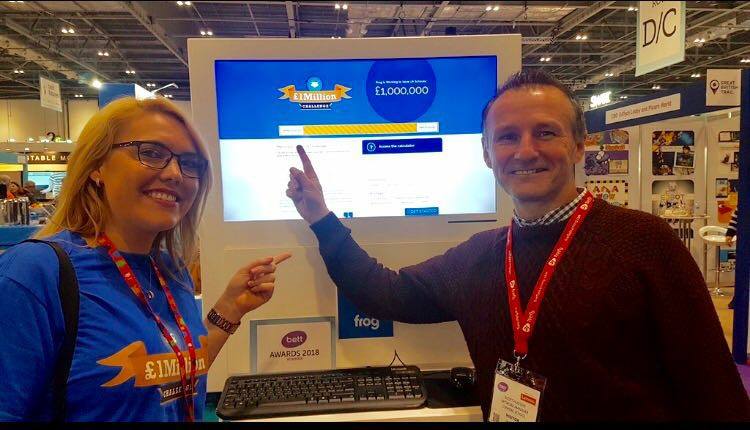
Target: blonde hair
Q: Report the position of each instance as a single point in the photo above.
(81, 205)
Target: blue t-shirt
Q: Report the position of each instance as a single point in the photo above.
(123, 369)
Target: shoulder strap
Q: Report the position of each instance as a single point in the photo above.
(69, 299)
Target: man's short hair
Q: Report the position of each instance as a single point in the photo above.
(533, 78)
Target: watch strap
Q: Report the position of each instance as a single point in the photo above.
(218, 320)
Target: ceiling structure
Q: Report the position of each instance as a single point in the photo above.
(590, 44)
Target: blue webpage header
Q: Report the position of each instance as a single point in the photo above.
(256, 97)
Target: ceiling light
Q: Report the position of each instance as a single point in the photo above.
(345, 6)
(169, 96)
(96, 83)
(103, 53)
(695, 75)
(745, 60)
(337, 6)
(184, 3)
(28, 149)
(545, 59)
(64, 30)
(210, 33)
(581, 37)
(67, 30)
(608, 75)
(11, 140)
(496, 8)
(623, 97)
(31, 139)
(656, 87)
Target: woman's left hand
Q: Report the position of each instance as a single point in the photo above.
(249, 288)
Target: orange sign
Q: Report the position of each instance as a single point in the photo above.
(290, 92)
(149, 370)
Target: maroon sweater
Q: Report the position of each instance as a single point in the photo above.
(626, 331)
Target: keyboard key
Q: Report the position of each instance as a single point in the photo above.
(286, 402)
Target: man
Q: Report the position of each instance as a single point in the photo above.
(31, 191)
(625, 329)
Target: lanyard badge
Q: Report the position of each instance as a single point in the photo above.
(187, 375)
(517, 392)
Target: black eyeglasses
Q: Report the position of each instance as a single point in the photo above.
(157, 156)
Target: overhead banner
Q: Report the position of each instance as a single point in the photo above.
(49, 94)
(723, 87)
(660, 40)
(47, 157)
(639, 110)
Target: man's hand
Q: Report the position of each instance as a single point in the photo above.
(305, 191)
(731, 240)
(249, 288)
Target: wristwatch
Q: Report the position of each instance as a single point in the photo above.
(218, 320)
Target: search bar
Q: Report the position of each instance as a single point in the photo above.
(358, 129)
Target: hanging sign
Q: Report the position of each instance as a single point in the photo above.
(49, 94)
(723, 87)
(660, 40)
(48, 157)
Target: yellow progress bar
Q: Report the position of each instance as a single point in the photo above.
(346, 129)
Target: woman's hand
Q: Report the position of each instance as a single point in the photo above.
(249, 288)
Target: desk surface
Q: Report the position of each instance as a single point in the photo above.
(460, 414)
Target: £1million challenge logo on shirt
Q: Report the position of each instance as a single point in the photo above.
(314, 98)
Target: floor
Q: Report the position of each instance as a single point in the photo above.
(726, 315)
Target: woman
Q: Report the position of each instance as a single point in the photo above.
(127, 217)
(17, 191)
(5, 188)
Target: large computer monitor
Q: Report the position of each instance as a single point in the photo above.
(393, 127)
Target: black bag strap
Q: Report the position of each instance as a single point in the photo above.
(69, 299)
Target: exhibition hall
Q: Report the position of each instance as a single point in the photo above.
(375, 211)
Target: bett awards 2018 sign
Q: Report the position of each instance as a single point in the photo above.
(292, 345)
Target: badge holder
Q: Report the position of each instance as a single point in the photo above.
(517, 393)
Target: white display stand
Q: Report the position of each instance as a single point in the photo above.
(303, 287)
(718, 123)
(698, 197)
(632, 179)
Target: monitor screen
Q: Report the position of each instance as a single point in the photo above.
(388, 137)
(47, 183)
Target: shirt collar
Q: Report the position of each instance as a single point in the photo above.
(555, 215)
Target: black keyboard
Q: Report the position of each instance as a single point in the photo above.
(330, 391)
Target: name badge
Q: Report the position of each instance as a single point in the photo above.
(517, 394)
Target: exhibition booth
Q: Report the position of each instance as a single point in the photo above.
(678, 158)
(255, 100)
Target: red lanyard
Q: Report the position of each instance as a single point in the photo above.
(135, 287)
(523, 322)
